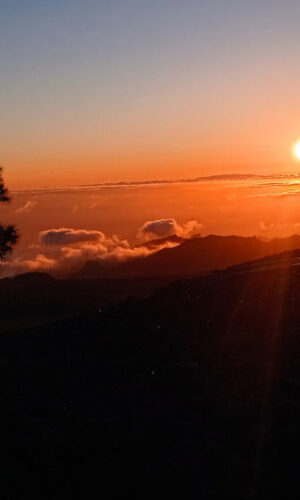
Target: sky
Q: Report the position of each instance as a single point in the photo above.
(102, 99)
(132, 90)
(62, 228)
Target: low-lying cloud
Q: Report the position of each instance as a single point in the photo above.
(27, 208)
(62, 251)
(69, 236)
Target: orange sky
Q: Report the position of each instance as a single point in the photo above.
(267, 207)
(101, 91)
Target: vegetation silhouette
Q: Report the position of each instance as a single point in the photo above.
(8, 234)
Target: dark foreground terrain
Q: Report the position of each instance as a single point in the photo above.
(190, 393)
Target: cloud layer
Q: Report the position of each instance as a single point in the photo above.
(65, 250)
(156, 182)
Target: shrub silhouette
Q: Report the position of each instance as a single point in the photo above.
(8, 234)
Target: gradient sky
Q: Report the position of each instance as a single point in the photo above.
(109, 90)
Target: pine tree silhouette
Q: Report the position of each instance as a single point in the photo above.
(8, 234)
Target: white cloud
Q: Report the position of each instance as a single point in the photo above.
(162, 228)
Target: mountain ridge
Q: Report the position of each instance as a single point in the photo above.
(190, 257)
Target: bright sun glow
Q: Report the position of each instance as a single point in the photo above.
(297, 150)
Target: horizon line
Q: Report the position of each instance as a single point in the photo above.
(120, 184)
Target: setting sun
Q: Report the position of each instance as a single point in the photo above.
(297, 150)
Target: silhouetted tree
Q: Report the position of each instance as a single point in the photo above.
(8, 234)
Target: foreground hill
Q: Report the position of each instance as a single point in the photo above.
(190, 393)
(33, 299)
(192, 257)
(37, 298)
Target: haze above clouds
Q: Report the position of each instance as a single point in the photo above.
(63, 228)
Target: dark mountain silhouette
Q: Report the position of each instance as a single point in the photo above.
(192, 392)
(277, 261)
(37, 298)
(32, 299)
(158, 242)
(192, 256)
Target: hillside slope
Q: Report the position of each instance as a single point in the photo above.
(192, 257)
(190, 393)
